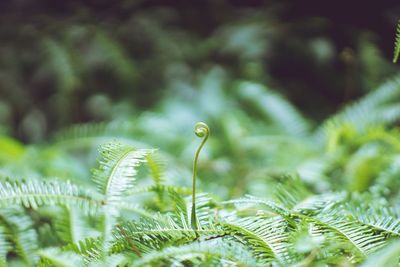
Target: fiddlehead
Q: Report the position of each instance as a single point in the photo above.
(201, 130)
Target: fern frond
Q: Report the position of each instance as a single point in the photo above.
(51, 257)
(132, 209)
(275, 107)
(204, 211)
(387, 181)
(60, 62)
(146, 235)
(156, 167)
(94, 134)
(167, 189)
(397, 44)
(115, 260)
(89, 248)
(307, 248)
(4, 246)
(19, 229)
(272, 206)
(290, 191)
(174, 193)
(373, 109)
(182, 207)
(216, 252)
(117, 169)
(363, 238)
(389, 114)
(33, 194)
(71, 226)
(380, 218)
(115, 55)
(316, 203)
(387, 256)
(266, 237)
(81, 131)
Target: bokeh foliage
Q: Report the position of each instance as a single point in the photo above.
(78, 61)
(301, 167)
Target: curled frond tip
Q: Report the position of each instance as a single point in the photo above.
(201, 129)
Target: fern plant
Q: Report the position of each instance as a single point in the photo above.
(99, 226)
(275, 190)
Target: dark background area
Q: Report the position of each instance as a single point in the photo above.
(65, 62)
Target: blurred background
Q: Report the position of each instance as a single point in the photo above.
(271, 78)
(68, 62)
(301, 96)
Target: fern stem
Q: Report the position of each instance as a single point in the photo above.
(131, 244)
(201, 130)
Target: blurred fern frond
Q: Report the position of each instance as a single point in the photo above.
(376, 108)
(34, 194)
(267, 238)
(397, 44)
(20, 233)
(56, 257)
(117, 169)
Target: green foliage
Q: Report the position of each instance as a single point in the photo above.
(397, 44)
(33, 194)
(66, 68)
(273, 186)
(314, 195)
(117, 169)
(387, 256)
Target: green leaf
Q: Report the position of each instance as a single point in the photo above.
(397, 44)
(117, 169)
(58, 258)
(387, 256)
(33, 194)
(19, 229)
(266, 237)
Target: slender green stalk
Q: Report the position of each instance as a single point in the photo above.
(201, 130)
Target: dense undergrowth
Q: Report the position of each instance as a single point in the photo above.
(273, 187)
(267, 186)
(64, 62)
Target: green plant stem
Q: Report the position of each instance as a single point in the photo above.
(201, 130)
